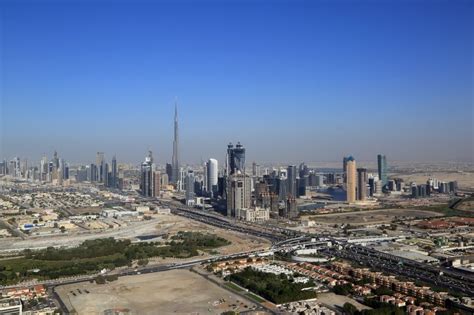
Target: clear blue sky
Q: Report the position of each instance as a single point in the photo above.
(292, 80)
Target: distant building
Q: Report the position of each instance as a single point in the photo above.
(291, 181)
(157, 183)
(361, 184)
(256, 214)
(169, 170)
(212, 177)
(414, 190)
(382, 168)
(175, 167)
(351, 179)
(190, 188)
(146, 177)
(238, 193)
(164, 180)
(235, 160)
(114, 173)
(290, 210)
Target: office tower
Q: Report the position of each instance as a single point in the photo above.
(190, 188)
(181, 183)
(453, 187)
(82, 173)
(382, 168)
(414, 190)
(422, 191)
(169, 170)
(55, 160)
(92, 173)
(238, 194)
(291, 208)
(291, 180)
(282, 188)
(156, 183)
(235, 160)
(105, 169)
(319, 181)
(175, 169)
(255, 170)
(65, 170)
(43, 168)
(60, 170)
(399, 184)
(99, 161)
(3, 168)
(212, 176)
(164, 180)
(290, 211)
(303, 170)
(113, 173)
(344, 168)
(221, 186)
(302, 184)
(361, 184)
(371, 186)
(351, 179)
(146, 178)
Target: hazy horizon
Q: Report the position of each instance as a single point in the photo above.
(292, 81)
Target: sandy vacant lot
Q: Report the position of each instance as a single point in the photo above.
(372, 217)
(240, 242)
(170, 292)
(337, 301)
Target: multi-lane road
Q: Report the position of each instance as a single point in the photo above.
(283, 239)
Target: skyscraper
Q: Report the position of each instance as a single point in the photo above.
(344, 168)
(114, 174)
(351, 179)
(382, 166)
(190, 188)
(291, 181)
(175, 160)
(235, 160)
(238, 194)
(100, 166)
(361, 183)
(146, 177)
(211, 176)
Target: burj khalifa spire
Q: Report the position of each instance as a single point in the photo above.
(175, 161)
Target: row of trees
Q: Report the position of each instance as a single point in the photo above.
(276, 288)
(94, 255)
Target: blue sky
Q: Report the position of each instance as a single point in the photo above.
(292, 80)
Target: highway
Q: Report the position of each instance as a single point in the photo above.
(284, 240)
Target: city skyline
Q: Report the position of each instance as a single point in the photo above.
(389, 82)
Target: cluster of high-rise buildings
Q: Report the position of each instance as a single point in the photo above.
(359, 185)
(54, 170)
(433, 185)
(100, 172)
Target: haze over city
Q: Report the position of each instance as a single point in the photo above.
(293, 81)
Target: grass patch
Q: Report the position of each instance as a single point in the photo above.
(255, 297)
(233, 287)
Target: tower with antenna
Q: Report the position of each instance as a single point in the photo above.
(175, 159)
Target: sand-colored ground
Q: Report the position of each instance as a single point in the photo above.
(170, 292)
(372, 216)
(465, 179)
(240, 242)
(337, 301)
